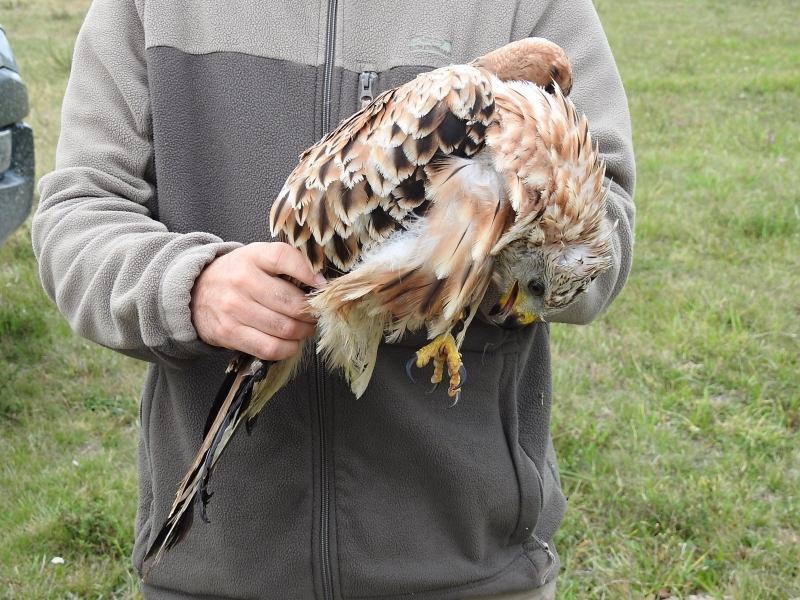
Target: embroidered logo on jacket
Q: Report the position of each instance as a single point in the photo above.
(431, 46)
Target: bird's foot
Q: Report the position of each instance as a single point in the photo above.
(442, 351)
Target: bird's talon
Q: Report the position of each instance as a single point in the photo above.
(462, 374)
(455, 399)
(409, 364)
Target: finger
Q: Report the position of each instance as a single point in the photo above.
(259, 344)
(281, 296)
(272, 323)
(279, 258)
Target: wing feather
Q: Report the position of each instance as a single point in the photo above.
(421, 276)
(379, 149)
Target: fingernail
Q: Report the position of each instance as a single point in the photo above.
(320, 280)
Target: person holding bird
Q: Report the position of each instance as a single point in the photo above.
(460, 206)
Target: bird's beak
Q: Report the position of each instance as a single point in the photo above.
(506, 312)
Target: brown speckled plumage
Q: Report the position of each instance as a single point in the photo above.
(408, 205)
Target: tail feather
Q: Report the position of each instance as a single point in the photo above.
(230, 376)
(228, 411)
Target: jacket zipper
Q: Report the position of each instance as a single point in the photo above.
(325, 499)
(365, 93)
(551, 558)
(327, 80)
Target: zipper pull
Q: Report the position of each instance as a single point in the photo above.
(551, 558)
(365, 93)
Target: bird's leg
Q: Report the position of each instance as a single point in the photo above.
(442, 351)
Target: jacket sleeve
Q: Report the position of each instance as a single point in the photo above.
(597, 92)
(120, 278)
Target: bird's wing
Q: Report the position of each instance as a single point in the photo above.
(431, 275)
(363, 180)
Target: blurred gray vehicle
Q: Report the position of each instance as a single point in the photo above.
(16, 145)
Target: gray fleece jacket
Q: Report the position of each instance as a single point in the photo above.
(180, 123)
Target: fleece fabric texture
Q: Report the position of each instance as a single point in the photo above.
(180, 123)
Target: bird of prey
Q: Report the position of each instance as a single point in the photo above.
(468, 176)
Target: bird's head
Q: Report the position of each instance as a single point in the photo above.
(536, 279)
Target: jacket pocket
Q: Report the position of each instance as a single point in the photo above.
(529, 479)
(530, 496)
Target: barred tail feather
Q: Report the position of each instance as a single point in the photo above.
(244, 373)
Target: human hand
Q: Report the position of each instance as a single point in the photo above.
(240, 302)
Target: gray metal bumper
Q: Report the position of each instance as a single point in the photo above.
(16, 182)
(16, 145)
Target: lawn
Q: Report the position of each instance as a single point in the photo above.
(676, 414)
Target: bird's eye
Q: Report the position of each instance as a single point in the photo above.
(536, 287)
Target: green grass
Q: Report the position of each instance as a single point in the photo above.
(677, 414)
(68, 429)
(68, 415)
